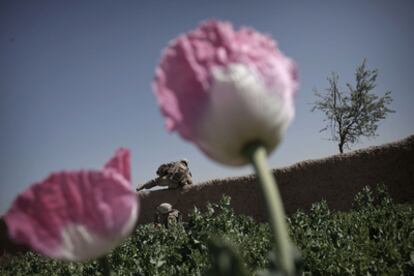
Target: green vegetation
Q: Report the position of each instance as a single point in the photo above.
(375, 237)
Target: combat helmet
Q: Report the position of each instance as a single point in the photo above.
(184, 161)
(164, 208)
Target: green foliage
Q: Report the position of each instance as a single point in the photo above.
(376, 237)
(354, 112)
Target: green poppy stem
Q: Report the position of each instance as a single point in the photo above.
(105, 266)
(258, 157)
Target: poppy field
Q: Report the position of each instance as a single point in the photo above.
(375, 237)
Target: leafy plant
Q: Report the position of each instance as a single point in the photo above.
(375, 237)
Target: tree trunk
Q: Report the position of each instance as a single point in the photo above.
(341, 147)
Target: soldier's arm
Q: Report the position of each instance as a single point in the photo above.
(189, 177)
(148, 185)
(188, 180)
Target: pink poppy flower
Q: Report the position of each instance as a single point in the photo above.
(223, 88)
(76, 215)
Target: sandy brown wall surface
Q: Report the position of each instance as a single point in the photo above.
(336, 179)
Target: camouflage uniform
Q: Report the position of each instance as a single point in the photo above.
(166, 215)
(173, 175)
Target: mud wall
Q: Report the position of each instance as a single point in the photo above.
(336, 179)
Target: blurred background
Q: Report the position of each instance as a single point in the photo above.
(75, 78)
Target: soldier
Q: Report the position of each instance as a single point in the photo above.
(166, 215)
(173, 175)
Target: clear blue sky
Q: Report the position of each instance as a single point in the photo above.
(75, 78)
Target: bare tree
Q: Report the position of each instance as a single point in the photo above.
(355, 112)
